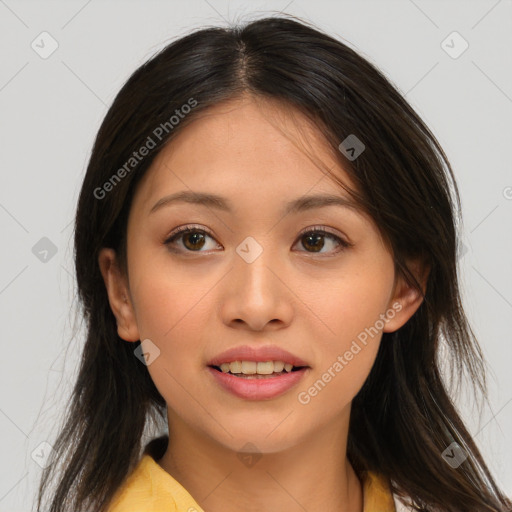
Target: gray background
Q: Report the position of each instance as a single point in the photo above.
(51, 110)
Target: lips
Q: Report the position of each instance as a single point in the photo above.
(258, 387)
(257, 354)
(261, 373)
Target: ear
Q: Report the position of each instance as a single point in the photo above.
(406, 299)
(118, 295)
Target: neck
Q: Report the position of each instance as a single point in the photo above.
(314, 475)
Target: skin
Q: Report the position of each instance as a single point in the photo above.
(195, 305)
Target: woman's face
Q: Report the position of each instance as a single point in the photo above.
(251, 275)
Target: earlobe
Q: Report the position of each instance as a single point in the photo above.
(118, 295)
(406, 298)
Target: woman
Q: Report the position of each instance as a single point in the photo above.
(266, 257)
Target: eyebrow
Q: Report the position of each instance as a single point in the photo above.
(220, 203)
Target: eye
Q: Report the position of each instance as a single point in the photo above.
(192, 239)
(315, 240)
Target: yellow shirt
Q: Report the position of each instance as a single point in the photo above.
(149, 488)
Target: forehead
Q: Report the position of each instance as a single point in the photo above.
(244, 148)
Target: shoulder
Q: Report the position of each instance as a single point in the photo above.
(377, 494)
(149, 488)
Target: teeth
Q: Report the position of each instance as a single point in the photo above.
(278, 366)
(249, 367)
(224, 367)
(235, 367)
(266, 368)
(253, 367)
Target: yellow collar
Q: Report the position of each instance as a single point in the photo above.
(149, 488)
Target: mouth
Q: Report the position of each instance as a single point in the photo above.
(257, 373)
(257, 380)
(257, 369)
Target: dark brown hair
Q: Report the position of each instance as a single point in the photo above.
(403, 418)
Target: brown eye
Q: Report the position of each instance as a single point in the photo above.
(192, 240)
(195, 240)
(313, 240)
(316, 239)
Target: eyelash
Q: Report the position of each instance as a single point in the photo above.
(317, 230)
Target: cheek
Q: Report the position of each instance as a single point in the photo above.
(345, 359)
(172, 315)
(350, 306)
(353, 312)
(170, 304)
(174, 321)
(330, 391)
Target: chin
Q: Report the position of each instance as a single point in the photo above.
(259, 436)
(257, 444)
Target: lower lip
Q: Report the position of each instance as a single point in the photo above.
(258, 389)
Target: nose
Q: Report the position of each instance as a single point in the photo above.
(256, 295)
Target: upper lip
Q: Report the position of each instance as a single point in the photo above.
(248, 353)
